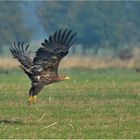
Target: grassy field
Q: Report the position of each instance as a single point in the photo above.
(103, 103)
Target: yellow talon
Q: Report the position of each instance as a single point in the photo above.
(31, 100)
(34, 99)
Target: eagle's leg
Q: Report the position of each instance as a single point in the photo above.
(32, 99)
(35, 89)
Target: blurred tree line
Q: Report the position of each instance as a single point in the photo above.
(98, 23)
(12, 24)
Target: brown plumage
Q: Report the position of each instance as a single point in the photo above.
(42, 70)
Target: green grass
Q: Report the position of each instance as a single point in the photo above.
(103, 103)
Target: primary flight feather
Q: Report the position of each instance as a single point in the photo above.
(42, 70)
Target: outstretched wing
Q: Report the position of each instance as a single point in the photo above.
(21, 54)
(54, 49)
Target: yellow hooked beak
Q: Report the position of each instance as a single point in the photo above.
(67, 78)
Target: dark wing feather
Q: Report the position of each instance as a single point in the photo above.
(54, 49)
(21, 53)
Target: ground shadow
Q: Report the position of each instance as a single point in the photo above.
(11, 122)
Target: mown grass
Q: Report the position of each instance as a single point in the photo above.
(103, 103)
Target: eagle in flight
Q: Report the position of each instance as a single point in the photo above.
(42, 70)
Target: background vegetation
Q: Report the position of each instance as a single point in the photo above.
(101, 100)
(109, 26)
(12, 23)
(99, 24)
(94, 104)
